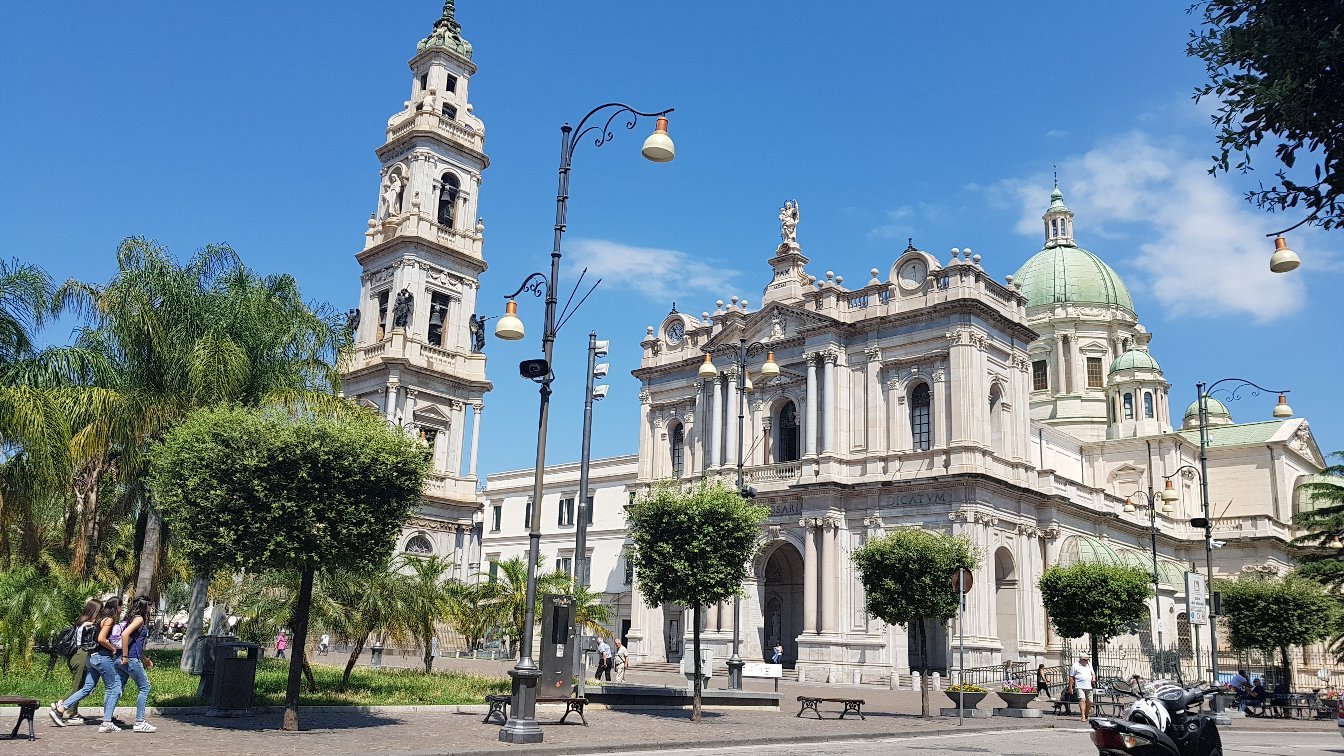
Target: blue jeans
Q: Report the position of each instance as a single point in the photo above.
(135, 669)
(90, 682)
(106, 669)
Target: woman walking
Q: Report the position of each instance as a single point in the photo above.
(103, 662)
(133, 660)
(83, 679)
(1042, 684)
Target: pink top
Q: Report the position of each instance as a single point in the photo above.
(280, 642)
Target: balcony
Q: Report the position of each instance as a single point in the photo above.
(398, 346)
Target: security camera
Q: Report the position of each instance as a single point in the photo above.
(533, 369)
(601, 370)
(600, 348)
(1217, 544)
(600, 392)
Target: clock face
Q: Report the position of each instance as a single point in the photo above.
(912, 274)
(675, 332)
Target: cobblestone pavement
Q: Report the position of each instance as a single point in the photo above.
(405, 731)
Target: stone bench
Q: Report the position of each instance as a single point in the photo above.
(811, 702)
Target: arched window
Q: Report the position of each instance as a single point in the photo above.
(1129, 406)
(789, 435)
(448, 199)
(996, 418)
(419, 545)
(921, 427)
(1148, 404)
(677, 437)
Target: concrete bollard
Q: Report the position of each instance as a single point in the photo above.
(894, 682)
(937, 681)
(802, 675)
(915, 683)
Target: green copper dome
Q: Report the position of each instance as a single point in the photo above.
(1135, 358)
(1216, 409)
(1067, 273)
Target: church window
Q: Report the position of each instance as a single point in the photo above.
(921, 426)
(566, 514)
(1129, 406)
(789, 434)
(1039, 379)
(677, 439)
(419, 545)
(451, 84)
(438, 318)
(496, 517)
(1054, 229)
(382, 313)
(449, 112)
(448, 199)
(628, 559)
(493, 574)
(424, 81)
(1094, 376)
(1148, 404)
(996, 418)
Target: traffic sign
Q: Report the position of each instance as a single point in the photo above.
(963, 579)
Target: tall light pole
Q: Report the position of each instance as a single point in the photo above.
(522, 726)
(1149, 499)
(579, 567)
(739, 353)
(1281, 410)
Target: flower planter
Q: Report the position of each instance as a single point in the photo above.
(970, 700)
(1016, 700)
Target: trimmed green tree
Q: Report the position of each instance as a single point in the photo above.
(907, 577)
(691, 548)
(1272, 613)
(1097, 600)
(247, 489)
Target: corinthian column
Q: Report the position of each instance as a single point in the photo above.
(716, 439)
(832, 405)
(830, 606)
(809, 576)
(810, 422)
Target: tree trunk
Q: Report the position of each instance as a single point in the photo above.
(149, 554)
(87, 527)
(1096, 660)
(308, 674)
(200, 583)
(695, 648)
(1287, 665)
(296, 662)
(354, 658)
(429, 650)
(924, 658)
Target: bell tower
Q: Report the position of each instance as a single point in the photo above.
(418, 347)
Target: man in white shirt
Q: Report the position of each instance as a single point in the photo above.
(603, 660)
(1242, 685)
(1081, 680)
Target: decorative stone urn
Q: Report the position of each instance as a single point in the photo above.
(965, 700)
(1016, 700)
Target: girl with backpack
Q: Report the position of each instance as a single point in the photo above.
(103, 663)
(134, 635)
(82, 678)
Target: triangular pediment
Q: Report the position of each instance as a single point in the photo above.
(430, 412)
(773, 323)
(1303, 441)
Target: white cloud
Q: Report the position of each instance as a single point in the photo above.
(1202, 250)
(1056, 134)
(659, 273)
(907, 220)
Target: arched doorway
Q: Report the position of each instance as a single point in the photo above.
(1005, 601)
(782, 602)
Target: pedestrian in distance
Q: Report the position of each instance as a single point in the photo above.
(323, 645)
(134, 664)
(603, 660)
(1082, 679)
(103, 661)
(1042, 684)
(83, 679)
(280, 645)
(620, 658)
(777, 657)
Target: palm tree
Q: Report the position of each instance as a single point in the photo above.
(430, 598)
(355, 607)
(508, 593)
(590, 614)
(471, 611)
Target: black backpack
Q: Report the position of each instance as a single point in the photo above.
(67, 642)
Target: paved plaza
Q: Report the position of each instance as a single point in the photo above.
(439, 730)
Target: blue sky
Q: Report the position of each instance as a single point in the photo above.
(254, 123)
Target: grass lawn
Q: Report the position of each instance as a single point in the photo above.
(172, 687)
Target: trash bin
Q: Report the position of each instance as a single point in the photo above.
(235, 678)
(204, 663)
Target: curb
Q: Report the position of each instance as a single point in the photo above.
(190, 711)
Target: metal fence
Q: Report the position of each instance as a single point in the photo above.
(1312, 668)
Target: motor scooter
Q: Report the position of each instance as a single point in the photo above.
(1159, 723)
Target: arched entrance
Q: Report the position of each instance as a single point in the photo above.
(1005, 602)
(782, 602)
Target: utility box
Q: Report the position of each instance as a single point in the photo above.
(557, 645)
(235, 678)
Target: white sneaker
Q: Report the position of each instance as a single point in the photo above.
(108, 727)
(143, 726)
(75, 719)
(56, 716)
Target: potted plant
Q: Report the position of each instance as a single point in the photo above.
(1017, 696)
(966, 695)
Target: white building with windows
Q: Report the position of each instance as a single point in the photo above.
(415, 358)
(1018, 413)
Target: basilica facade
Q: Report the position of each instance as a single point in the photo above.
(1020, 413)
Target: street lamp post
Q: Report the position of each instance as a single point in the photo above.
(1281, 410)
(579, 567)
(739, 353)
(1150, 501)
(522, 726)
